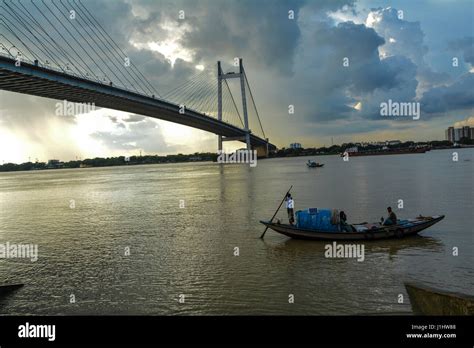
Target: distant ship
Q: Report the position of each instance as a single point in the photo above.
(354, 152)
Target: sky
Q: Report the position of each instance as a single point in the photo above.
(334, 61)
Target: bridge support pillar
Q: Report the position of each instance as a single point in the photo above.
(262, 150)
(244, 104)
(219, 102)
(240, 75)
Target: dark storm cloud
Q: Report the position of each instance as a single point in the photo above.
(359, 45)
(339, 128)
(466, 46)
(457, 96)
(402, 37)
(287, 61)
(120, 22)
(257, 29)
(328, 90)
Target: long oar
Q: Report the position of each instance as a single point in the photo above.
(266, 228)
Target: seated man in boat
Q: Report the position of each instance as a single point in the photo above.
(344, 225)
(392, 218)
(290, 208)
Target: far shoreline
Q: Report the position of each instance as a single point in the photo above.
(194, 161)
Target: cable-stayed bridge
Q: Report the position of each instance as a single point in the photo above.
(57, 49)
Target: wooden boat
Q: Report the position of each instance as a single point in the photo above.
(430, 301)
(362, 231)
(312, 164)
(5, 289)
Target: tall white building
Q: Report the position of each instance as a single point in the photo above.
(455, 134)
(295, 146)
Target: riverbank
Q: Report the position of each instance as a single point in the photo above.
(109, 162)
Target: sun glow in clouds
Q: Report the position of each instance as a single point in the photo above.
(170, 47)
(17, 151)
(372, 19)
(358, 106)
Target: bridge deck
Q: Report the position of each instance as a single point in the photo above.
(39, 81)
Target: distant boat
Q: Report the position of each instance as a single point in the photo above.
(312, 164)
(323, 230)
(430, 301)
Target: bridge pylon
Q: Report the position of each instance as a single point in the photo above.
(220, 77)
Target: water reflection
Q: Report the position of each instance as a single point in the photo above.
(190, 250)
(289, 246)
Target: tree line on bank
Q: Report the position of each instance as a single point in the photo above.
(208, 156)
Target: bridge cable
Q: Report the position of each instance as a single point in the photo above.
(77, 41)
(253, 102)
(182, 89)
(207, 103)
(182, 95)
(24, 45)
(53, 42)
(189, 93)
(87, 69)
(182, 84)
(76, 20)
(211, 106)
(26, 26)
(17, 30)
(207, 93)
(233, 101)
(12, 45)
(229, 110)
(131, 63)
(120, 67)
(55, 58)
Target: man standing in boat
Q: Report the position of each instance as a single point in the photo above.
(290, 208)
(392, 218)
(343, 221)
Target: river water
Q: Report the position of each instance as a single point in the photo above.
(119, 241)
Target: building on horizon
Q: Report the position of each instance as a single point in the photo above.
(54, 164)
(295, 146)
(455, 134)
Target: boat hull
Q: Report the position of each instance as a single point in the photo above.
(430, 301)
(6, 289)
(382, 232)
